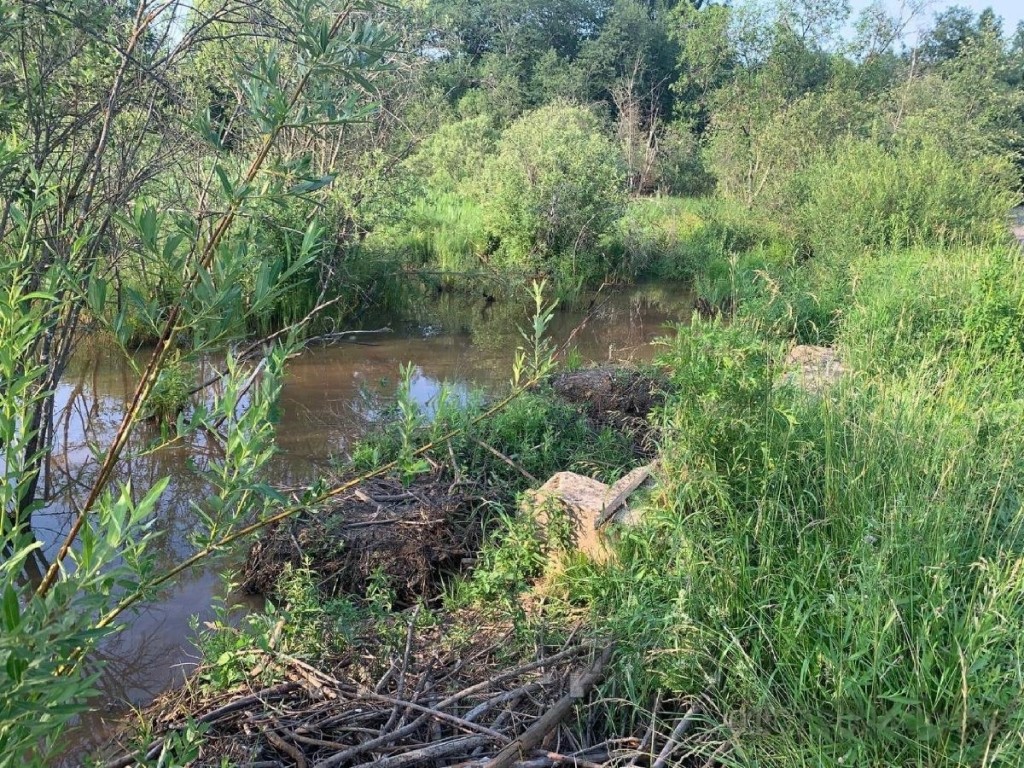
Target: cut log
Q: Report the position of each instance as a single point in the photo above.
(589, 505)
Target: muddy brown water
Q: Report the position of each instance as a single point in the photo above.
(331, 397)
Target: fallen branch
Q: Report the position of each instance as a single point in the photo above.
(517, 467)
(288, 749)
(684, 724)
(535, 734)
(433, 752)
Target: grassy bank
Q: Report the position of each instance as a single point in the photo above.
(839, 578)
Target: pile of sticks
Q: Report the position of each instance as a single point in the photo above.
(437, 697)
(414, 533)
(410, 717)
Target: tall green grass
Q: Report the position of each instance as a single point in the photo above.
(864, 196)
(843, 576)
(924, 305)
(680, 238)
(442, 232)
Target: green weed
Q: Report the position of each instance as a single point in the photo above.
(841, 575)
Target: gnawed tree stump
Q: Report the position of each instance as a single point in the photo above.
(589, 506)
(813, 369)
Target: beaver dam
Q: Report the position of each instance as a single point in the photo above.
(332, 397)
(422, 681)
(443, 699)
(421, 529)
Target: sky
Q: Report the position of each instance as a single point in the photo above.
(1012, 11)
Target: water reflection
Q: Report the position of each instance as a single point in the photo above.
(331, 396)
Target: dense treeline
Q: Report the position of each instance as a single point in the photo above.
(771, 108)
(197, 176)
(520, 136)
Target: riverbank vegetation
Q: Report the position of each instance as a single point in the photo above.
(819, 576)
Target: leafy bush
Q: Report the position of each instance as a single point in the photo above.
(868, 197)
(454, 153)
(555, 185)
(758, 140)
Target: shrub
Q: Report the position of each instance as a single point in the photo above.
(758, 141)
(868, 197)
(454, 153)
(555, 185)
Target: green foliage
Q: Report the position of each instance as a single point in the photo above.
(537, 431)
(864, 197)
(759, 140)
(823, 565)
(301, 623)
(632, 46)
(680, 167)
(108, 217)
(537, 359)
(841, 574)
(409, 420)
(509, 560)
(707, 54)
(544, 435)
(795, 104)
(788, 298)
(443, 231)
(42, 636)
(553, 188)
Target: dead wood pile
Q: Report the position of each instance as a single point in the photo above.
(436, 702)
(412, 533)
(615, 397)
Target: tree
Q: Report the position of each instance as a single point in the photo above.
(554, 186)
(633, 46)
(952, 30)
(100, 184)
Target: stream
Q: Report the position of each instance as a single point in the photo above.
(332, 395)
